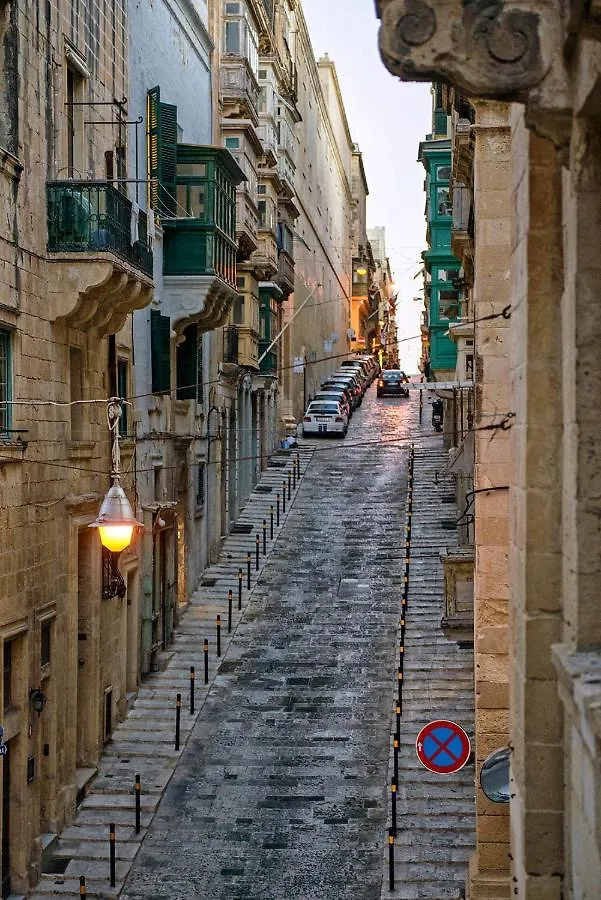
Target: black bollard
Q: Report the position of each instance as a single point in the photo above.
(206, 653)
(397, 710)
(278, 511)
(192, 680)
(83, 892)
(178, 714)
(393, 807)
(283, 496)
(400, 681)
(402, 656)
(230, 601)
(271, 522)
(391, 859)
(395, 745)
(402, 624)
(218, 635)
(289, 486)
(264, 537)
(294, 477)
(112, 853)
(257, 551)
(248, 571)
(298, 471)
(138, 790)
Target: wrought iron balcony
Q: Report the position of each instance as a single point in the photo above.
(230, 344)
(86, 216)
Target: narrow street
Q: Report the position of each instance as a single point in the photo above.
(282, 788)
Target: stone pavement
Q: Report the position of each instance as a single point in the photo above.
(435, 813)
(144, 742)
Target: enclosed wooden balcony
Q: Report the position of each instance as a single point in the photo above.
(101, 263)
(199, 243)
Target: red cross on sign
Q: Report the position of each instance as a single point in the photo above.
(443, 747)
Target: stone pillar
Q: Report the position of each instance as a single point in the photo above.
(489, 867)
(536, 716)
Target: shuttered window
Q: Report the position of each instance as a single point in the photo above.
(189, 365)
(160, 329)
(5, 380)
(162, 155)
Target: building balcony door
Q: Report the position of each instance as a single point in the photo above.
(6, 823)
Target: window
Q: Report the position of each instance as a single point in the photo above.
(76, 393)
(46, 643)
(443, 203)
(7, 672)
(240, 36)
(189, 366)
(75, 92)
(122, 384)
(5, 381)
(200, 484)
(232, 37)
(238, 311)
(232, 143)
(443, 173)
(448, 305)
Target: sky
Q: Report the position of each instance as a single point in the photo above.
(387, 118)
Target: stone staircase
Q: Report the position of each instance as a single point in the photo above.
(435, 813)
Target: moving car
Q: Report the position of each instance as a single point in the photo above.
(392, 383)
(325, 417)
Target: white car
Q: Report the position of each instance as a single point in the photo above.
(325, 417)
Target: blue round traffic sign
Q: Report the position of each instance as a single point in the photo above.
(443, 747)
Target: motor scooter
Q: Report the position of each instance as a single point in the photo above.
(437, 414)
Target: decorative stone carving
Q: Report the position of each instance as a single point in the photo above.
(96, 293)
(200, 299)
(488, 48)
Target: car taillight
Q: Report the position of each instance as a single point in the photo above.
(307, 419)
(380, 383)
(356, 391)
(339, 419)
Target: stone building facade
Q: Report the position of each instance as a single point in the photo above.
(321, 303)
(550, 75)
(73, 268)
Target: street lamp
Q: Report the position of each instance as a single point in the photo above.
(116, 520)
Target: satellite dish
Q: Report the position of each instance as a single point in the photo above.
(494, 775)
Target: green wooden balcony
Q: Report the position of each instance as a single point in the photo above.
(269, 365)
(88, 216)
(193, 247)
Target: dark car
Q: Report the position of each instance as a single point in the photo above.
(392, 383)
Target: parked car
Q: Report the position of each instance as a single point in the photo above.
(392, 383)
(361, 366)
(325, 417)
(356, 377)
(348, 382)
(357, 372)
(332, 384)
(338, 396)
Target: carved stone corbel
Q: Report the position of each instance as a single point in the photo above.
(487, 48)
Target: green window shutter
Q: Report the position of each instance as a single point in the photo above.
(187, 365)
(160, 341)
(161, 153)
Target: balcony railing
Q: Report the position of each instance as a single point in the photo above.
(230, 344)
(94, 215)
(284, 277)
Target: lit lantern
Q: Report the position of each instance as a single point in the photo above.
(116, 520)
